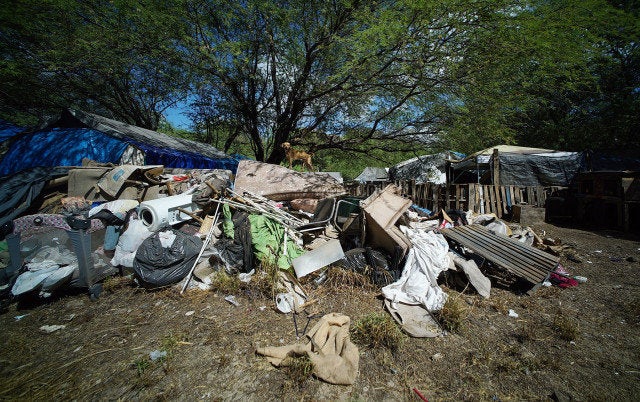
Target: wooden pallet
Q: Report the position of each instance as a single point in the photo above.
(522, 260)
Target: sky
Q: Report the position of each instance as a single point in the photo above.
(176, 115)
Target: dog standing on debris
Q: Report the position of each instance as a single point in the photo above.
(295, 155)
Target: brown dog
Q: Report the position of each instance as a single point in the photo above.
(295, 155)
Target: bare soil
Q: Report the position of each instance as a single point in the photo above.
(579, 343)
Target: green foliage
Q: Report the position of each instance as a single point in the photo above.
(354, 82)
(141, 364)
(114, 58)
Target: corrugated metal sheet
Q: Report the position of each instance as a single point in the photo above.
(522, 260)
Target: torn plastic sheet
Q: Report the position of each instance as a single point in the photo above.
(427, 258)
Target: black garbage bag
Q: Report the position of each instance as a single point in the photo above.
(235, 255)
(228, 255)
(371, 263)
(157, 265)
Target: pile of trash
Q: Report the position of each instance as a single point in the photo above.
(181, 228)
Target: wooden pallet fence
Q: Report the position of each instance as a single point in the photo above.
(475, 197)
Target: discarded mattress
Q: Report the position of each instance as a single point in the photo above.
(524, 261)
(281, 184)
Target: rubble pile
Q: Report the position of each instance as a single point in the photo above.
(170, 227)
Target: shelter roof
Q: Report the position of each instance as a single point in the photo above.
(122, 130)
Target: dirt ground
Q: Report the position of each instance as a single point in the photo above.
(580, 343)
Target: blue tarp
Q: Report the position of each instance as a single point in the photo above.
(60, 147)
(180, 159)
(8, 130)
(68, 146)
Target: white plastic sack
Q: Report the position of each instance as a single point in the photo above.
(114, 206)
(31, 280)
(129, 242)
(58, 277)
(426, 259)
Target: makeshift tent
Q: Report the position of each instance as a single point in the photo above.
(517, 166)
(612, 161)
(76, 135)
(425, 168)
(373, 174)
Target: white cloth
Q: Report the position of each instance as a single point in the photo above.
(426, 259)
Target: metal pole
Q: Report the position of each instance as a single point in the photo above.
(204, 246)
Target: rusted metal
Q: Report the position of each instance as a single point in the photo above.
(522, 260)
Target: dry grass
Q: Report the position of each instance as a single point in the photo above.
(113, 283)
(225, 283)
(566, 327)
(298, 369)
(377, 330)
(265, 282)
(339, 277)
(454, 313)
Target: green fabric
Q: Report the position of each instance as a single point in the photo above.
(227, 223)
(267, 238)
(3, 246)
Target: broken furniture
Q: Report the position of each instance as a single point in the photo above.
(526, 262)
(333, 210)
(382, 210)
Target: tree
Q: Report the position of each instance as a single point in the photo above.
(555, 78)
(283, 70)
(114, 58)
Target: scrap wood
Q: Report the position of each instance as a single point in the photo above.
(204, 247)
(524, 261)
(192, 214)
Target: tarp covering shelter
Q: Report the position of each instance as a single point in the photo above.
(425, 168)
(8, 130)
(373, 174)
(76, 135)
(518, 166)
(612, 161)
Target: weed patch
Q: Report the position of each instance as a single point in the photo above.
(298, 369)
(377, 330)
(454, 313)
(567, 328)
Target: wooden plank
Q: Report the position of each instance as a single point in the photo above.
(509, 242)
(496, 190)
(513, 195)
(541, 196)
(472, 197)
(532, 196)
(496, 167)
(520, 259)
(505, 258)
(457, 197)
(495, 255)
(503, 195)
(487, 199)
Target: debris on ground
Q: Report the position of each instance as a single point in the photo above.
(275, 233)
